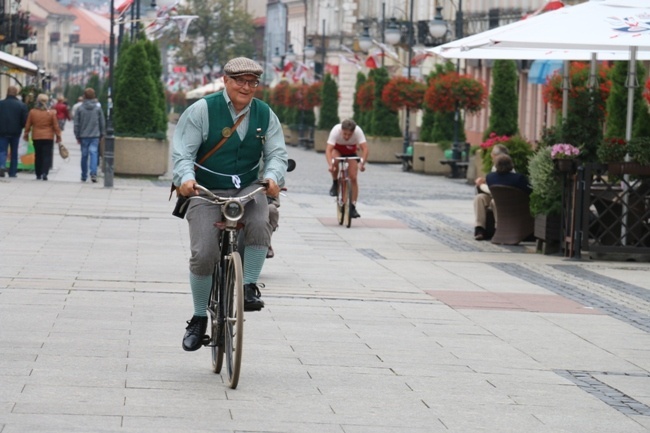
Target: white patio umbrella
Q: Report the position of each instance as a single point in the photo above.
(621, 26)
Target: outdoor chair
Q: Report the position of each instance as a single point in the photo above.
(512, 211)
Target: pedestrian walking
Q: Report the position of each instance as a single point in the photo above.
(89, 128)
(13, 113)
(43, 125)
(62, 112)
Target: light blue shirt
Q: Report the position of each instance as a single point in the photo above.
(192, 130)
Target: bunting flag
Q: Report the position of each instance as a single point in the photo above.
(419, 56)
(348, 60)
(332, 69)
(550, 5)
(123, 7)
(388, 51)
(183, 23)
(348, 50)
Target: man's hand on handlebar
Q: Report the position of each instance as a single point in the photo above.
(187, 188)
(272, 188)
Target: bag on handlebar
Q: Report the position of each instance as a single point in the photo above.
(181, 207)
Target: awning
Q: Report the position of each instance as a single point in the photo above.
(540, 70)
(14, 62)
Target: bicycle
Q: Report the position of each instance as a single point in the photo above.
(344, 191)
(226, 304)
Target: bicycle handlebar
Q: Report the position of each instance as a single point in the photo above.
(221, 200)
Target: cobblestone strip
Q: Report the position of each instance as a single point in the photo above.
(435, 231)
(583, 295)
(589, 275)
(607, 394)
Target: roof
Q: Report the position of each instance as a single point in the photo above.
(93, 29)
(53, 7)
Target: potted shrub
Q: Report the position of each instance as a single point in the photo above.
(329, 112)
(386, 139)
(518, 148)
(546, 199)
(141, 146)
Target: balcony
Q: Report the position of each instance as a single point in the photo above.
(14, 28)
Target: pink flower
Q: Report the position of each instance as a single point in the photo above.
(564, 151)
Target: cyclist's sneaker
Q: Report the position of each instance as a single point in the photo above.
(270, 253)
(334, 188)
(252, 300)
(353, 212)
(193, 339)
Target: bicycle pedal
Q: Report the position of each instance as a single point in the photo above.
(206, 340)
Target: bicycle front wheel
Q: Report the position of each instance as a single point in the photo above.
(348, 203)
(234, 323)
(216, 323)
(340, 201)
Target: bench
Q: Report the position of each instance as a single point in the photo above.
(458, 167)
(407, 161)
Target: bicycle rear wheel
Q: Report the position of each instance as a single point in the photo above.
(340, 201)
(216, 330)
(234, 323)
(348, 203)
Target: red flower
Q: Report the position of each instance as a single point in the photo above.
(579, 78)
(646, 91)
(403, 92)
(279, 94)
(447, 90)
(366, 96)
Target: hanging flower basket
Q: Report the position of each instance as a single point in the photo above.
(366, 96)
(579, 78)
(402, 92)
(447, 90)
(279, 94)
(565, 165)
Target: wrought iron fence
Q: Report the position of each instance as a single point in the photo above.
(609, 207)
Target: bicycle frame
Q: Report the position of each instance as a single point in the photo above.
(226, 305)
(344, 193)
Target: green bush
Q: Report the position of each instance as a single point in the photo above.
(385, 123)
(639, 150)
(329, 113)
(358, 115)
(504, 111)
(519, 150)
(617, 100)
(546, 197)
(137, 103)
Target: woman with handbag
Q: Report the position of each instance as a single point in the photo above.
(44, 126)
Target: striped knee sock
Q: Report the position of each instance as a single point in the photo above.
(200, 285)
(254, 257)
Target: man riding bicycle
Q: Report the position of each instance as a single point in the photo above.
(218, 143)
(344, 139)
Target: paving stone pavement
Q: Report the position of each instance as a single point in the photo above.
(401, 323)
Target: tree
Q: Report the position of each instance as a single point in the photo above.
(155, 70)
(617, 102)
(93, 83)
(329, 113)
(137, 104)
(356, 109)
(221, 32)
(429, 116)
(385, 122)
(504, 110)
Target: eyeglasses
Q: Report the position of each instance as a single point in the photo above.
(241, 82)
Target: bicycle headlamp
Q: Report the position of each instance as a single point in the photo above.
(233, 210)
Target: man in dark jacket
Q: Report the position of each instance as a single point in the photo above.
(88, 130)
(13, 113)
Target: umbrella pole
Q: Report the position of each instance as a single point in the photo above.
(565, 90)
(631, 86)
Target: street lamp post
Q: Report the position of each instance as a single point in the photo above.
(407, 120)
(456, 150)
(109, 142)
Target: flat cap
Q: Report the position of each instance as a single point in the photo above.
(242, 66)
